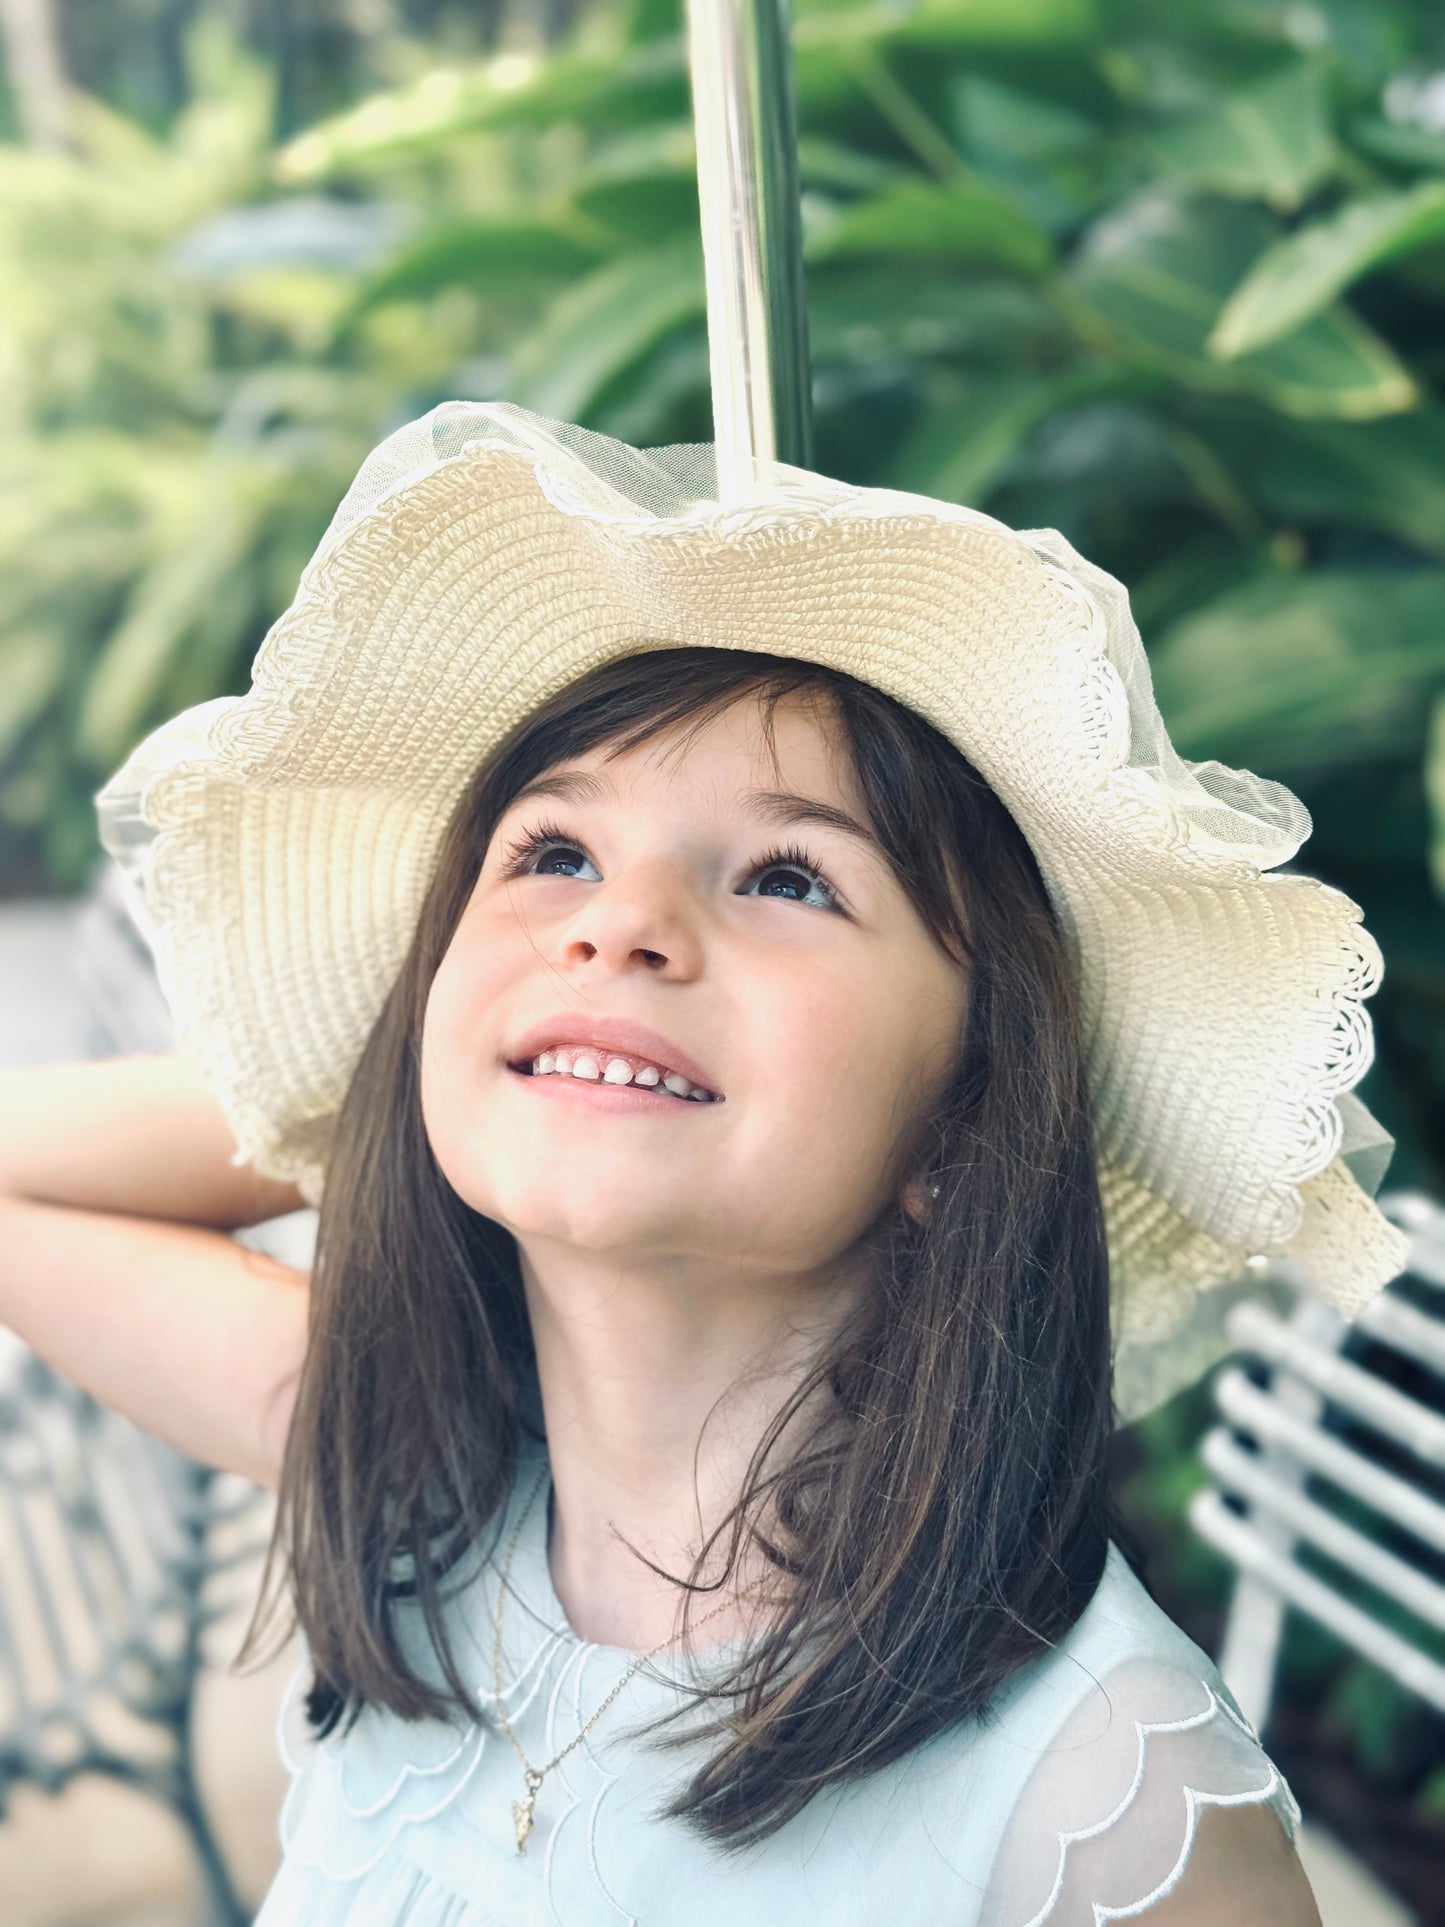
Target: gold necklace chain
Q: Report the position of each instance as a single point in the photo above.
(522, 1810)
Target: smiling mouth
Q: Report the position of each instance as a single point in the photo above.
(609, 1072)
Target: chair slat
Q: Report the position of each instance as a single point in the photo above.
(1319, 1424)
(1382, 1407)
(1252, 1410)
(1366, 1558)
(1405, 1329)
(1238, 1540)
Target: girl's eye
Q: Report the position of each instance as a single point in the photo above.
(517, 854)
(787, 861)
(790, 860)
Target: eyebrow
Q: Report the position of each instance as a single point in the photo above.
(782, 807)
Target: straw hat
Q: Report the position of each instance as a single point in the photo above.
(277, 845)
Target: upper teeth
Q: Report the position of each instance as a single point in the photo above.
(617, 1070)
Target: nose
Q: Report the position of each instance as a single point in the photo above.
(646, 917)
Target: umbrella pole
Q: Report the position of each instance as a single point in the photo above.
(740, 59)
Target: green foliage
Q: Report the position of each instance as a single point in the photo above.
(1269, 139)
(173, 436)
(1172, 280)
(929, 221)
(1305, 675)
(1390, 1730)
(1296, 278)
(1172, 283)
(1156, 272)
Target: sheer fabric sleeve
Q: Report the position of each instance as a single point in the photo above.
(1105, 1823)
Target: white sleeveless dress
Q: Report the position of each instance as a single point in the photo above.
(1075, 1801)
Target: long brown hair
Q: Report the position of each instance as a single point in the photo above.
(943, 1505)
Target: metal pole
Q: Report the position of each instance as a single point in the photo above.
(740, 59)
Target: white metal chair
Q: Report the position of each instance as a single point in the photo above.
(116, 1554)
(1346, 1474)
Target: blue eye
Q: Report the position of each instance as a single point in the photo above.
(786, 860)
(517, 854)
(791, 860)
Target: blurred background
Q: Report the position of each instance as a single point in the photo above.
(1171, 280)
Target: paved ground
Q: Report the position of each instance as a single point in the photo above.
(102, 1856)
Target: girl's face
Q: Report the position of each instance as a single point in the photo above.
(803, 989)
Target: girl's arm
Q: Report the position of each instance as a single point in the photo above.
(1242, 1870)
(117, 1197)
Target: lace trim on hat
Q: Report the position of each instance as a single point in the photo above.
(1234, 825)
(1171, 1324)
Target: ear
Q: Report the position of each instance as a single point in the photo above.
(914, 1198)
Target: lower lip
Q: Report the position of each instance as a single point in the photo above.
(602, 1096)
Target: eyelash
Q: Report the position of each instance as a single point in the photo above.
(790, 856)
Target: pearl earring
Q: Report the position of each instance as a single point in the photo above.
(934, 1189)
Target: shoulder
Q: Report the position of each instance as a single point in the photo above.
(1142, 1789)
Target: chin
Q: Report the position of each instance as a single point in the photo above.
(581, 1230)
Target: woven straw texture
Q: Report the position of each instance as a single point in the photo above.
(277, 846)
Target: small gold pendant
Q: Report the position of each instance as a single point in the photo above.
(522, 1811)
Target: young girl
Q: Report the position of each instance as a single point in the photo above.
(781, 1045)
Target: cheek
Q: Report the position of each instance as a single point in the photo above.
(440, 1023)
(463, 992)
(835, 1089)
(431, 1087)
(452, 1039)
(856, 1084)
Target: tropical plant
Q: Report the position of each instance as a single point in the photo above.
(1170, 280)
(172, 438)
(1172, 283)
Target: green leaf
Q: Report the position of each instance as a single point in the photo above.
(32, 669)
(1400, 144)
(1302, 274)
(832, 43)
(645, 404)
(513, 89)
(641, 207)
(1302, 670)
(996, 122)
(1050, 158)
(966, 440)
(168, 601)
(473, 252)
(931, 220)
(1270, 139)
(834, 167)
(649, 19)
(605, 323)
(945, 23)
(868, 310)
(1158, 269)
(1435, 792)
(1387, 474)
(643, 186)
